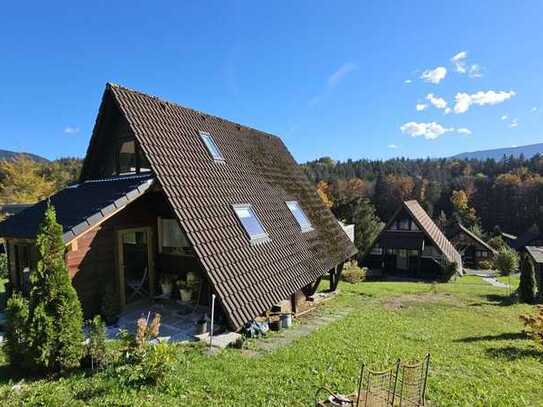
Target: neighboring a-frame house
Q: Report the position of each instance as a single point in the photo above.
(411, 245)
(472, 248)
(170, 193)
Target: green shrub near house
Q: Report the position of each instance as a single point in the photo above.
(354, 274)
(45, 330)
(507, 261)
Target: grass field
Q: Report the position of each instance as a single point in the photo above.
(479, 356)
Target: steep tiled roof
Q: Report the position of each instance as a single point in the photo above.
(79, 207)
(476, 238)
(259, 170)
(431, 230)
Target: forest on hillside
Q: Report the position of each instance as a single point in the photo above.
(485, 195)
(26, 180)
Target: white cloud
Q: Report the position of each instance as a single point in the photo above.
(464, 131)
(447, 110)
(475, 71)
(71, 130)
(430, 131)
(407, 81)
(459, 61)
(420, 107)
(340, 73)
(514, 123)
(504, 117)
(436, 101)
(434, 75)
(464, 100)
(462, 67)
(533, 109)
(394, 146)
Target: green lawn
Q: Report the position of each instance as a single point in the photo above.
(479, 356)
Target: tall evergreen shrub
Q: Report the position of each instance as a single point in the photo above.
(528, 284)
(48, 325)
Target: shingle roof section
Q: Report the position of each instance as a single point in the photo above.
(79, 207)
(258, 170)
(431, 230)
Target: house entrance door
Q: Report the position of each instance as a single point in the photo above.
(402, 260)
(135, 264)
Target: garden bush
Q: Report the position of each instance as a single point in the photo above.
(96, 347)
(141, 362)
(507, 261)
(354, 274)
(486, 265)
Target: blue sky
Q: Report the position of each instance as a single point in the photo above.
(341, 79)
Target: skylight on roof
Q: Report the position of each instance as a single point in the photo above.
(299, 215)
(211, 146)
(251, 223)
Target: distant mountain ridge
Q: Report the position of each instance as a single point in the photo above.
(497, 154)
(6, 155)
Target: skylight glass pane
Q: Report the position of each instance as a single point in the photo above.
(250, 222)
(211, 146)
(299, 215)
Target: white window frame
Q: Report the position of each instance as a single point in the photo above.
(305, 228)
(255, 239)
(211, 146)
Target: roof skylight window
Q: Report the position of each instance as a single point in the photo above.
(299, 215)
(251, 223)
(211, 146)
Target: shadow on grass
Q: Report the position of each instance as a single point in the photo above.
(509, 336)
(495, 299)
(514, 353)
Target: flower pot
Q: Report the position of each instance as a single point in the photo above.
(201, 327)
(166, 288)
(286, 321)
(185, 294)
(275, 325)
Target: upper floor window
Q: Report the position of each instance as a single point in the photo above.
(403, 224)
(130, 158)
(211, 146)
(127, 157)
(299, 215)
(251, 223)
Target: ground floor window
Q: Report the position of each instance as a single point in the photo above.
(377, 250)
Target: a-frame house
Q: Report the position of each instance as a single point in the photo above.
(411, 245)
(170, 191)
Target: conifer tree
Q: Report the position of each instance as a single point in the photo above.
(49, 333)
(527, 286)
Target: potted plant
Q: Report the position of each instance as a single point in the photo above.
(185, 290)
(166, 285)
